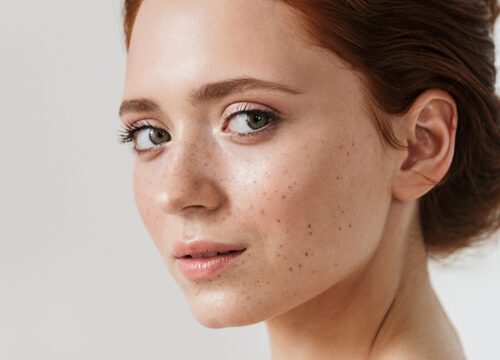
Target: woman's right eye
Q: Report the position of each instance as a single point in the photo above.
(145, 137)
(148, 138)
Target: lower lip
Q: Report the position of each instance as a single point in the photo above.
(206, 268)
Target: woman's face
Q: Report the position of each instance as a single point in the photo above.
(306, 194)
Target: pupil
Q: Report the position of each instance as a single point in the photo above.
(157, 136)
(257, 120)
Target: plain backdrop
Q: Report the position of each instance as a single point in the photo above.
(79, 276)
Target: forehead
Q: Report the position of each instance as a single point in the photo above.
(197, 41)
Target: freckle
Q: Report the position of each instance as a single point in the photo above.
(262, 211)
(337, 177)
(310, 233)
(283, 196)
(309, 226)
(255, 181)
(335, 264)
(350, 225)
(300, 265)
(205, 164)
(290, 268)
(278, 220)
(287, 231)
(295, 182)
(348, 153)
(289, 186)
(278, 255)
(342, 212)
(281, 246)
(306, 254)
(285, 258)
(340, 228)
(314, 271)
(251, 206)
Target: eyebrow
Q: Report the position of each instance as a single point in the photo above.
(208, 92)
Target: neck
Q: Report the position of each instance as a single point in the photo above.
(360, 315)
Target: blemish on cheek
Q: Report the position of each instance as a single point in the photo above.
(300, 265)
(278, 220)
(350, 226)
(283, 196)
(340, 228)
(248, 297)
(309, 226)
(310, 233)
(337, 177)
(262, 211)
(290, 269)
(306, 254)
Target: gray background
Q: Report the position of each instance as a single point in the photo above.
(79, 276)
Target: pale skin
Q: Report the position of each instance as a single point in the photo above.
(335, 263)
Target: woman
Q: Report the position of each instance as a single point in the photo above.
(299, 161)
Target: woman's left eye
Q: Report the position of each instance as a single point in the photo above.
(248, 122)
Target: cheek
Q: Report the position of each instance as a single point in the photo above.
(314, 216)
(145, 202)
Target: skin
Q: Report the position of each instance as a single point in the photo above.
(335, 263)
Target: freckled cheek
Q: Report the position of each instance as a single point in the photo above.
(146, 205)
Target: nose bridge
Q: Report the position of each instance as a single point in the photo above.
(186, 178)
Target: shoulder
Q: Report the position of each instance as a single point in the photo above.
(422, 350)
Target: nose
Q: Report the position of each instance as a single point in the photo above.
(187, 181)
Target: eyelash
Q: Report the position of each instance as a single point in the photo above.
(128, 131)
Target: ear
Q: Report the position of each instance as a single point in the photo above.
(429, 132)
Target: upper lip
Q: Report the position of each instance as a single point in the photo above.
(195, 247)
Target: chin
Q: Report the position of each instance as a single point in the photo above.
(217, 312)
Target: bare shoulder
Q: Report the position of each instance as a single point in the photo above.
(424, 347)
(407, 353)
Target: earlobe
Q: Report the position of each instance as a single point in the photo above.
(430, 131)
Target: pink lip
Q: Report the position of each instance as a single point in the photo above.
(202, 268)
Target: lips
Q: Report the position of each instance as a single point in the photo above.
(204, 248)
(203, 260)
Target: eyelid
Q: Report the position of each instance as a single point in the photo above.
(243, 106)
